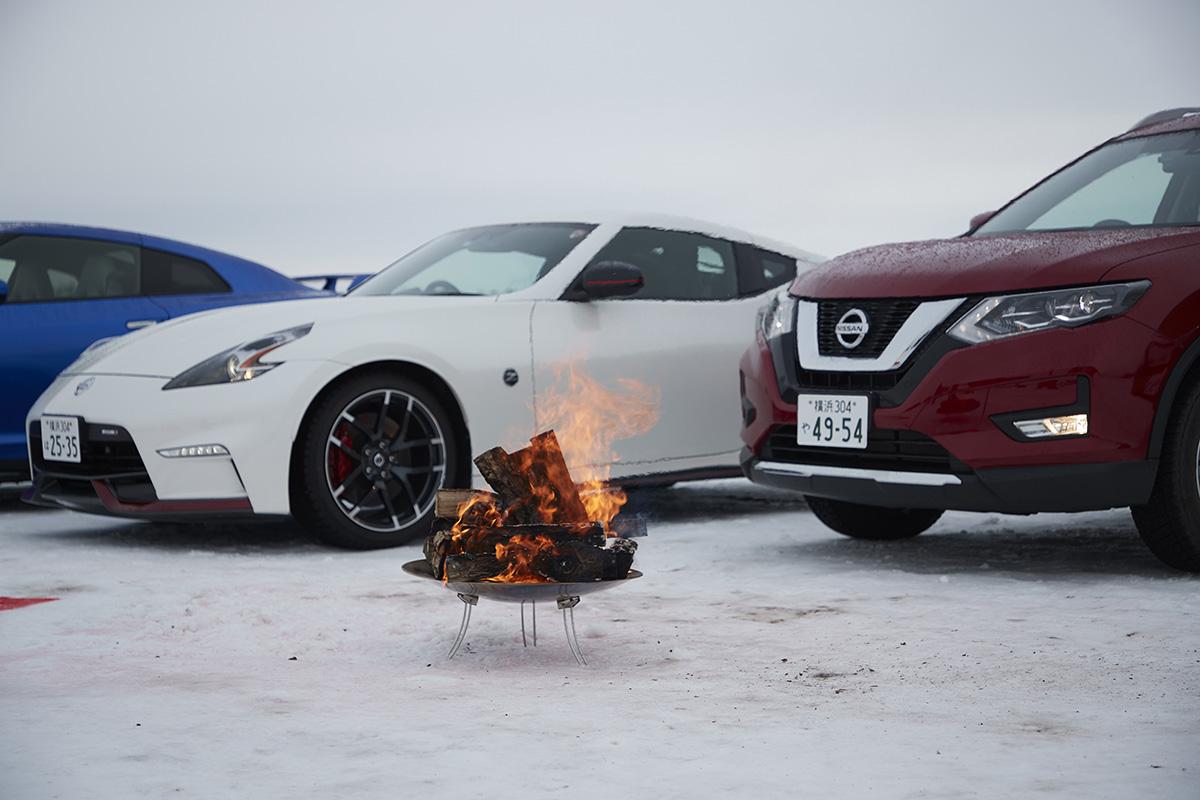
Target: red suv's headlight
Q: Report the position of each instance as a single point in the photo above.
(1013, 314)
(777, 316)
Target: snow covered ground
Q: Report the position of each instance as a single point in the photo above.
(760, 656)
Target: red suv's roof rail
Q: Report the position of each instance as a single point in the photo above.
(1164, 116)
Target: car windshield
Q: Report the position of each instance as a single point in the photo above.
(1145, 182)
(496, 259)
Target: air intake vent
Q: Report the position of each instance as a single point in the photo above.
(905, 451)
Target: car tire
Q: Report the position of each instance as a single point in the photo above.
(1169, 523)
(371, 489)
(872, 522)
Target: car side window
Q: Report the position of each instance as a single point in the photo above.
(676, 265)
(49, 268)
(760, 270)
(170, 273)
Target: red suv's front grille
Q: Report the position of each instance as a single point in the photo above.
(883, 317)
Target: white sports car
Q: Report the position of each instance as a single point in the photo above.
(351, 412)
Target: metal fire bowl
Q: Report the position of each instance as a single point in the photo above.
(516, 592)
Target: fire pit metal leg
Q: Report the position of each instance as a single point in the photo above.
(469, 601)
(567, 604)
(533, 608)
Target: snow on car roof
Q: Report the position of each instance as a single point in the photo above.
(1186, 122)
(677, 223)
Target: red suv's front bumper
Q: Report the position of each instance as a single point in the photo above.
(942, 433)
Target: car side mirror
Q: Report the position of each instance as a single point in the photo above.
(979, 219)
(3, 291)
(606, 279)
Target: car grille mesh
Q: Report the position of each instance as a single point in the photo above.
(884, 318)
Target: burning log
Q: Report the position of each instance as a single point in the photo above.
(570, 560)
(471, 567)
(447, 540)
(467, 504)
(619, 559)
(550, 480)
(533, 484)
(535, 528)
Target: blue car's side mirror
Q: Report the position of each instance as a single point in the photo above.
(3, 291)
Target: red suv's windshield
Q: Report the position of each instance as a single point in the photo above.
(1135, 183)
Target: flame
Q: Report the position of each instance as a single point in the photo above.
(518, 554)
(586, 418)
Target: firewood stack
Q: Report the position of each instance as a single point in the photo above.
(533, 528)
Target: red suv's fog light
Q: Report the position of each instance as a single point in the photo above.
(1070, 425)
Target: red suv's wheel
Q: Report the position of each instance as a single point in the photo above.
(1170, 523)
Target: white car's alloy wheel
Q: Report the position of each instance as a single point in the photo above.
(385, 459)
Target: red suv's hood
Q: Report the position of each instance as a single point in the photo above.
(985, 264)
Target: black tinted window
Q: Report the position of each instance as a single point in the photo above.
(759, 270)
(169, 273)
(47, 268)
(676, 265)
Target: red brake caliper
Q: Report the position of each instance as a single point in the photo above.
(340, 464)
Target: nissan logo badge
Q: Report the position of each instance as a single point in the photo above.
(852, 328)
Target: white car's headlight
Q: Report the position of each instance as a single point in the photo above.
(777, 316)
(237, 364)
(1014, 314)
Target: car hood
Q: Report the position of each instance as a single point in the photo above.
(985, 264)
(167, 349)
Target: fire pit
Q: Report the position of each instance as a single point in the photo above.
(538, 537)
(565, 595)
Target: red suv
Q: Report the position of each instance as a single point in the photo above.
(1046, 360)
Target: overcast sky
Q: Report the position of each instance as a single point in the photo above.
(336, 137)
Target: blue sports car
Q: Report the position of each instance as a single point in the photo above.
(63, 287)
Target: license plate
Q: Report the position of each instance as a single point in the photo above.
(60, 439)
(832, 420)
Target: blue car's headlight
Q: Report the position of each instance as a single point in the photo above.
(237, 364)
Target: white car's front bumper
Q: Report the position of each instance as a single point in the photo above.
(255, 421)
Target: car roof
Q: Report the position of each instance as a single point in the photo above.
(1188, 120)
(632, 219)
(79, 231)
(115, 235)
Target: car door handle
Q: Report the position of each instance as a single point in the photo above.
(134, 324)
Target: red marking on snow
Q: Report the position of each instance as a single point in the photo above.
(9, 603)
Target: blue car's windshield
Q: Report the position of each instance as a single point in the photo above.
(496, 259)
(1149, 181)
